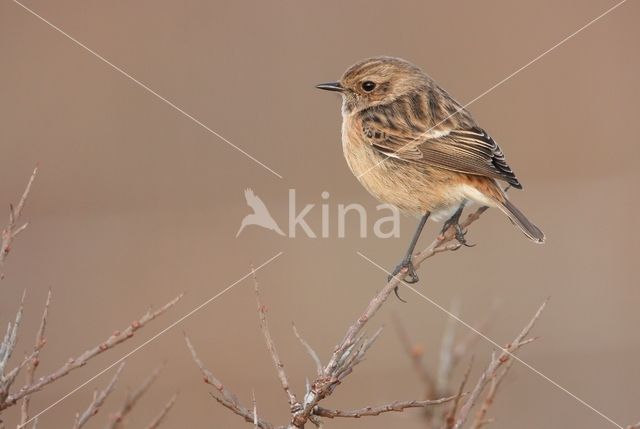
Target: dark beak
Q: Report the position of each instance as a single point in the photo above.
(331, 86)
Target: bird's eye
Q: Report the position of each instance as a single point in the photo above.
(368, 86)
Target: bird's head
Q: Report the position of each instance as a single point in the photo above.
(375, 81)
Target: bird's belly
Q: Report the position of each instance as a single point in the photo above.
(413, 188)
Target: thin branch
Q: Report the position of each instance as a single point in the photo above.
(81, 360)
(324, 384)
(160, 417)
(415, 353)
(255, 409)
(450, 419)
(7, 347)
(11, 337)
(309, 349)
(264, 326)
(346, 355)
(447, 361)
(396, 406)
(117, 419)
(497, 361)
(481, 416)
(11, 230)
(228, 399)
(472, 337)
(35, 361)
(98, 400)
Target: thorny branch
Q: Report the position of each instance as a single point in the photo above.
(81, 360)
(440, 382)
(262, 312)
(228, 399)
(335, 370)
(12, 229)
(347, 354)
(309, 349)
(415, 353)
(481, 416)
(498, 360)
(98, 399)
(163, 413)
(450, 419)
(31, 361)
(380, 409)
(35, 360)
(116, 420)
(7, 347)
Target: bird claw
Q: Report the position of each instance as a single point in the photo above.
(395, 290)
(410, 275)
(460, 236)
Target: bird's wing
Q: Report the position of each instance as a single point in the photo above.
(466, 150)
(254, 202)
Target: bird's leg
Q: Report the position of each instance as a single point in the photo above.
(407, 263)
(454, 221)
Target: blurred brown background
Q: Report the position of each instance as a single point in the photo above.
(135, 203)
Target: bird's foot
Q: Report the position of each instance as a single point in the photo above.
(459, 233)
(410, 276)
(460, 236)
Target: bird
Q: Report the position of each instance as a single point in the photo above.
(412, 145)
(260, 215)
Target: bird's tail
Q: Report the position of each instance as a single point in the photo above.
(518, 218)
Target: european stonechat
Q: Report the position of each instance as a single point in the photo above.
(412, 145)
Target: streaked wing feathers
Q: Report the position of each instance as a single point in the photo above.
(469, 150)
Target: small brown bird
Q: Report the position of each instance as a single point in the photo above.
(412, 145)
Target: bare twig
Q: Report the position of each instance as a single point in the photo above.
(472, 337)
(397, 406)
(497, 361)
(332, 372)
(163, 413)
(346, 355)
(309, 349)
(262, 314)
(228, 398)
(12, 230)
(98, 400)
(415, 353)
(447, 361)
(11, 337)
(336, 370)
(450, 419)
(7, 346)
(481, 416)
(35, 361)
(117, 419)
(255, 409)
(81, 360)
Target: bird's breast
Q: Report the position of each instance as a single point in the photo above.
(414, 188)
